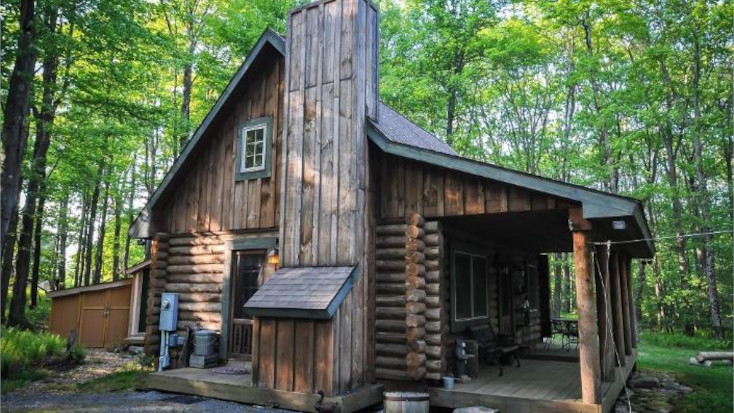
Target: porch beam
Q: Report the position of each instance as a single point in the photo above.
(604, 312)
(631, 302)
(625, 305)
(617, 308)
(586, 304)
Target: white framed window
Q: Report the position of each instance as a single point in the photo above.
(253, 158)
(254, 143)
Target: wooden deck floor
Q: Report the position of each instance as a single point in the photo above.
(238, 388)
(537, 386)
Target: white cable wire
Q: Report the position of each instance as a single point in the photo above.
(691, 235)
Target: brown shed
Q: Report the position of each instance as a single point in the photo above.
(99, 313)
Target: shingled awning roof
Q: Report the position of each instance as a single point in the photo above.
(303, 292)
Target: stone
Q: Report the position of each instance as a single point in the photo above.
(644, 382)
(476, 409)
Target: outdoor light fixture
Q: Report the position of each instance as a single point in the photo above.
(619, 225)
(273, 257)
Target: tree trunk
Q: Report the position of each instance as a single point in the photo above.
(130, 200)
(703, 201)
(186, 105)
(78, 272)
(35, 183)
(558, 284)
(37, 238)
(15, 126)
(62, 234)
(567, 285)
(100, 240)
(118, 227)
(7, 267)
(90, 226)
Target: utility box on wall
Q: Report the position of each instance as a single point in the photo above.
(169, 312)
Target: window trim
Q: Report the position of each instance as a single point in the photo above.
(264, 171)
(460, 324)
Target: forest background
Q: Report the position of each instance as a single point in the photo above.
(633, 97)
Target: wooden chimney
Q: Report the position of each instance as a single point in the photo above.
(331, 88)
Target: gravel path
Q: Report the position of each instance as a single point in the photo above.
(58, 394)
(149, 401)
(98, 363)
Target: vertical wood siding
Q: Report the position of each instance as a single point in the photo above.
(207, 198)
(409, 187)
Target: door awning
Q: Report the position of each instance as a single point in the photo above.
(303, 292)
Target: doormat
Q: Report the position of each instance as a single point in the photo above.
(184, 399)
(232, 370)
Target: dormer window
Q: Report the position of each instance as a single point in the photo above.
(254, 143)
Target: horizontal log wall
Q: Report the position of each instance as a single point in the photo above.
(415, 296)
(195, 270)
(390, 302)
(208, 198)
(436, 315)
(411, 187)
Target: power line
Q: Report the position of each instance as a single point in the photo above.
(691, 235)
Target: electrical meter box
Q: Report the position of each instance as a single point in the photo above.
(169, 312)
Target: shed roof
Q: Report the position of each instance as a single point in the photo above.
(303, 292)
(95, 287)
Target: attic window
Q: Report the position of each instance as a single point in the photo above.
(254, 142)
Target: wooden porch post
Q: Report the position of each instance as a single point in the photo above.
(586, 303)
(604, 314)
(617, 308)
(625, 306)
(631, 302)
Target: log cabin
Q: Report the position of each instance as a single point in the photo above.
(337, 246)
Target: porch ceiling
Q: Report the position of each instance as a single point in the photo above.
(545, 231)
(536, 231)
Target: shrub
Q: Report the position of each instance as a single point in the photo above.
(21, 351)
(671, 340)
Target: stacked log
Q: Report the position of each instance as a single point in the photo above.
(196, 272)
(390, 320)
(158, 264)
(415, 297)
(435, 319)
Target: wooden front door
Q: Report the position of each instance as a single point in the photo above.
(246, 278)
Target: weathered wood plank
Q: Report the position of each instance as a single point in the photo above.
(285, 353)
(305, 358)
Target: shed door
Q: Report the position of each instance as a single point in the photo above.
(247, 277)
(105, 316)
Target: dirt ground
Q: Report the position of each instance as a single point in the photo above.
(59, 393)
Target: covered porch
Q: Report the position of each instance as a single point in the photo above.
(537, 386)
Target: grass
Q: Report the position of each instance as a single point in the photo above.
(24, 354)
(669, 353)
(128, 377)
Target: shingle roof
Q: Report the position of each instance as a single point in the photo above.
(396, 128)
(304, 292)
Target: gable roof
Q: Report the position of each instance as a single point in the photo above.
(270, 38)
(396, 135)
